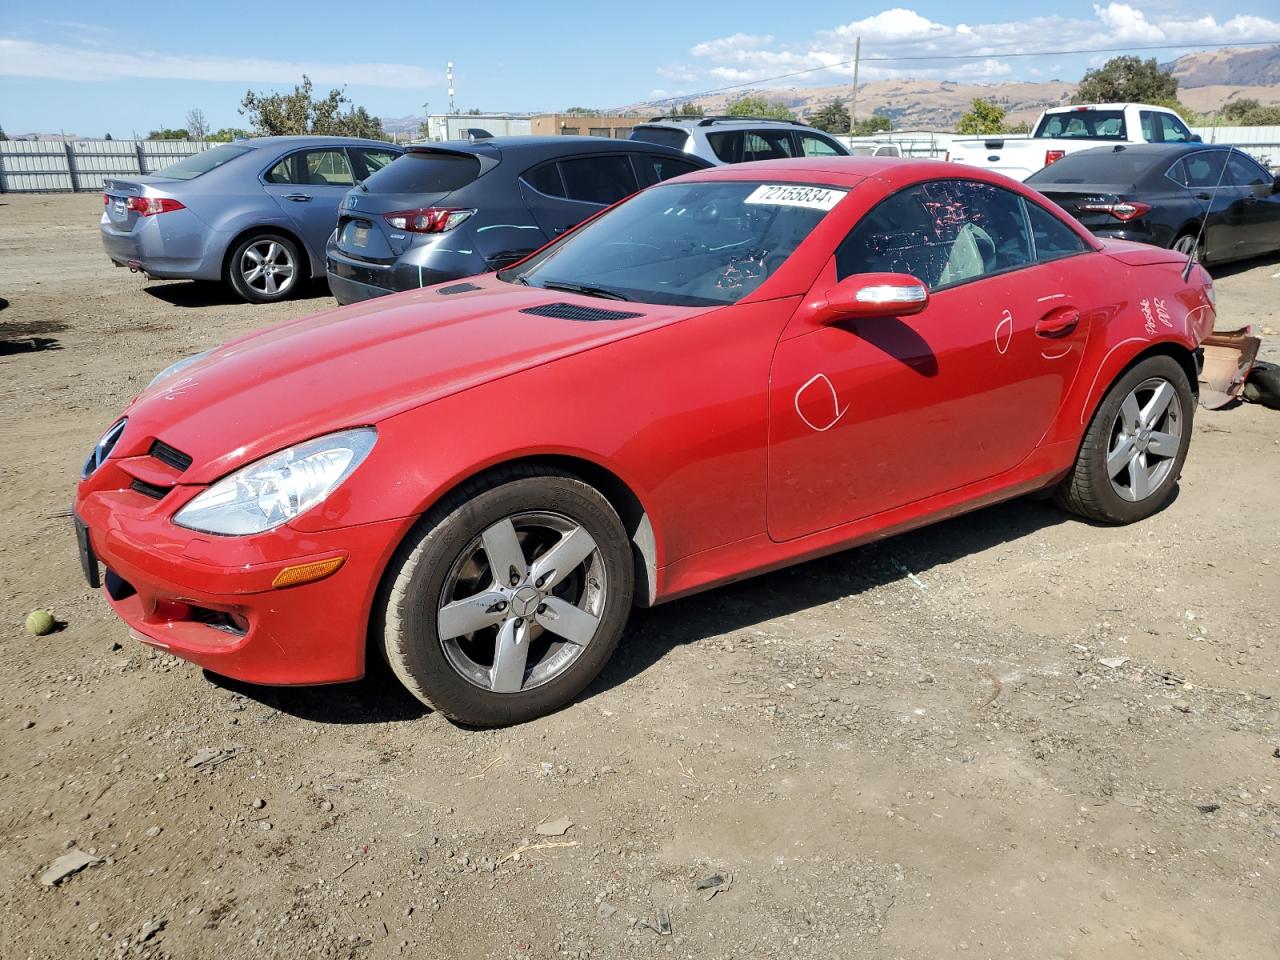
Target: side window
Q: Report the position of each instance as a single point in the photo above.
(375, 160)
(1149, 131)
(813, 146)
(766, 145)
(943, 232)
(1243, 172)
(1204, 169)
(663, 168)
(284, 172)
(1173, 129)
(1178, 173)
(727, 146)
(1053, 238)
(598, 179)
(545, 178)
(327, 168)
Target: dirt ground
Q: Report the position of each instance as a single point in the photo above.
(1009, 735)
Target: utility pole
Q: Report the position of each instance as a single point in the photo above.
(452, 109)
(853, 103)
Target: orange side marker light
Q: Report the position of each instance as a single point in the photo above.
(307, 572)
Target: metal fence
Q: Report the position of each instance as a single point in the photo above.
(1262, 143)
(48, 166)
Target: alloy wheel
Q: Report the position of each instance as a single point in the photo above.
(522, 602)
(268, 267)
(1145, 439)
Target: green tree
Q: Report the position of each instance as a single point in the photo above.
(1237, 110)
(164, 133)
(1127, 80)
(105, 136)
(831, 117)
(227, 134)
(985, 116)
(689, 110)
(757, 106)
(3, 135)
(872, 125)
(1249, 113)
(582, 112)
(292, 114)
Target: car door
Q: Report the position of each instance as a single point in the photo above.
(562, 193)
(308, 185)
(870, 415)
(1222, 202)
(1259, 230)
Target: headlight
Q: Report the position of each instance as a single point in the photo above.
(277, 488)
(173, 368)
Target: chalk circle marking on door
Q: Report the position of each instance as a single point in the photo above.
(1004, 332)
(837, 411)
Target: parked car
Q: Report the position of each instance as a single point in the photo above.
(452, 210)
(253, 213)
(875, 150)
(1061, 131)
(721, 140)
(1161, 193)
(729, 372)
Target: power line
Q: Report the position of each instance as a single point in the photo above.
(955, 56)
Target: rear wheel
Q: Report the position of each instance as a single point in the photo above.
(511, 599)
(1133, 451)
(1189, 246)
(264, 268)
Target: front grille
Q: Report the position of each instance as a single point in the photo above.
(148, 489)
(103, 448)
(570, 311)
(458, 288)
(167, 454)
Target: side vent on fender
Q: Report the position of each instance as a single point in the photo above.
(569, 311)
(458, 288)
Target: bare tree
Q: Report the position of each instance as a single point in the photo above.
(197, 124)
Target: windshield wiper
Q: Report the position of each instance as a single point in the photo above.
(583, 288)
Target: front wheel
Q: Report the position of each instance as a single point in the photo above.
(510, 599)
(1136, 444)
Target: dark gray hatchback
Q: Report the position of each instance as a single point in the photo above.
(457, 209)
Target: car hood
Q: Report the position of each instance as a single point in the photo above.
(360, 364)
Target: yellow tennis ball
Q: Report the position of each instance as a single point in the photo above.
(40, 622)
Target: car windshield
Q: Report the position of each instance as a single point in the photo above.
(202, 162)
(1084, 124)
(684, 244)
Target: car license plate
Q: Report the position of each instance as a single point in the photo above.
(360, 236)
(119, 210)
(88, 559)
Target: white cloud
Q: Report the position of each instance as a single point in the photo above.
(28, 58)
(904, 33)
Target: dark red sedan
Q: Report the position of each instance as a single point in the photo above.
(736, 370)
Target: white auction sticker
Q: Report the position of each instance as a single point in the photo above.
(793, 195)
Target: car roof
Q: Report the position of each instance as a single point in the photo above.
(313, 141)
(689, 123)
(551, 145)
(1153, 150)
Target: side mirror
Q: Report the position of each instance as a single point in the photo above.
(873, 295)
(1196, 138)
(1275, 185)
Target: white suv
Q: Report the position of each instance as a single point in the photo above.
(722, 140)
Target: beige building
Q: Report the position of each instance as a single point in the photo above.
(574, 125)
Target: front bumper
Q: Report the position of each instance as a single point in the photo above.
(210, 599)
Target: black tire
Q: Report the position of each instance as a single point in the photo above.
(238, 270)
(1088, 489)
(1263, 385)
(408, 633)
(1188, 242)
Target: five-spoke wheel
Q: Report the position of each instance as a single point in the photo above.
(264, 268)
(510, 598)
(1135, 446)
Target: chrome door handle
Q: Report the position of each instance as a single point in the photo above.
(297, 197)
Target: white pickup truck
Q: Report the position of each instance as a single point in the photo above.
(1063, 130)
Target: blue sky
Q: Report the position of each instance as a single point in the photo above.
(91, 68)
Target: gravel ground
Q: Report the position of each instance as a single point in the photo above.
(1052, 740)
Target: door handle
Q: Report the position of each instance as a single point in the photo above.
(1204, 196)
(298, 197)
(1058, 323)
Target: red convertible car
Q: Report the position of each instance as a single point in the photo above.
(732, 371)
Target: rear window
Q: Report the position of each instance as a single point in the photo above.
(1103, 166)
(425, 172)
(666, 136)
(1084, 124)
(203, 162)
